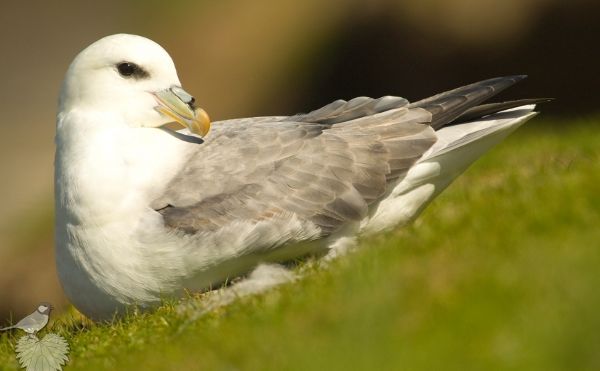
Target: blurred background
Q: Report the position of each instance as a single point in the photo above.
(246, 58)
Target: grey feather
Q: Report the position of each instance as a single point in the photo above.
(327, 173)
(326, 166)
(341, 110)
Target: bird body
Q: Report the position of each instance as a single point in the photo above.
(33, 322)
(143, 212)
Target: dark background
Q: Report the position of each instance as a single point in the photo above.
(377, 56)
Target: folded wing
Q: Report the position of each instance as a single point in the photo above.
(326, 173)
(326, 167)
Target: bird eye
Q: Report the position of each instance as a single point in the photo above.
(128, 69)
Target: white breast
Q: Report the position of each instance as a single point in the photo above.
(105, 178)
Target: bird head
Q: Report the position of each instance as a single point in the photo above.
(131, 78)
(44, 308)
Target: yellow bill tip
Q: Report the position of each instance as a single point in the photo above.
(201, 123)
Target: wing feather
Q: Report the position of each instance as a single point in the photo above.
(326, 166)
(326, 172)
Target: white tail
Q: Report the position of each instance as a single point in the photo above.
(458, 146)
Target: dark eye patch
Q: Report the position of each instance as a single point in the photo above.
(128, 69)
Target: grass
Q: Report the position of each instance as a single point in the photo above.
(501, 272)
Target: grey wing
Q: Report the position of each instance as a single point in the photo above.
(325, 167)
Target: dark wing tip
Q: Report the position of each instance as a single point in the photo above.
(512, 79)
(477, 112)
(515, 78)
(446, 107)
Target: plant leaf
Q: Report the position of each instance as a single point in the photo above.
(48, 354)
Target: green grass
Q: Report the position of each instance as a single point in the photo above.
(501, 272)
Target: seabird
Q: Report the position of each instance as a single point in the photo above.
(144, 212)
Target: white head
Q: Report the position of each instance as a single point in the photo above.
(134, 78)
(44, 308)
